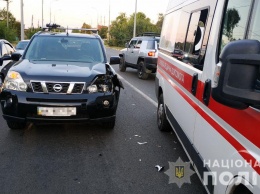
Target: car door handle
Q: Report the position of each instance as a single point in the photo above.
(206, 92)
(194, 84)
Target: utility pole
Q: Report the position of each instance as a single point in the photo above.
(42, 13)
(22, 21)
(109, 22)
(134, 33)
(7, 12)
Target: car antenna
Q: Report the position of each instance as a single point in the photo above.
(67, 30)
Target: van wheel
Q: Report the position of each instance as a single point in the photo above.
(141, 71)
(162, 122)
(122, 66)
(16, 125)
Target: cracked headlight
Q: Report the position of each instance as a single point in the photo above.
(14, 81)
(101, 84)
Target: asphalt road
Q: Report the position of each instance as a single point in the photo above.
(88, 159)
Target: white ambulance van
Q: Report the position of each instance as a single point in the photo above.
(208, 89)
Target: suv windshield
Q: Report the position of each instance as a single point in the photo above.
(58, 48)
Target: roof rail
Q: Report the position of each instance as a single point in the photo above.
(150, 34)
(53, 27)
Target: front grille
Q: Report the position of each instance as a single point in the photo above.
(57, 87)
(64, 86)
(77, 88)
(37, 87)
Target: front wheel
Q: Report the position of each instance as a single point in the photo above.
(162, 122)
(16, 125)
(141, 71)
(122, 66)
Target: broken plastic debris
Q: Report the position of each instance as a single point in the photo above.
(140, 160)
(141, 143)
(159, 168)
(133, 104)
(174, 141)
(137, 136)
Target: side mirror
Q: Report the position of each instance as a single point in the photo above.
(16, 56)
(114, 60)
(4, 58)
(237, 77)
(1, 61)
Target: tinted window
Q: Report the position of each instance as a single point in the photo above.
(151, 44)
(75, 49)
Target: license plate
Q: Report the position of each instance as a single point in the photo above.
(56, 111)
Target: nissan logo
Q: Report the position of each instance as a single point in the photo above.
(57, 87)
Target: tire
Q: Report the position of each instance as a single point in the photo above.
(141, 71)
(16, 125)
(122, 66)
(109, 124)
(162, 122)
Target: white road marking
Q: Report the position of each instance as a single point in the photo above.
(138, 91)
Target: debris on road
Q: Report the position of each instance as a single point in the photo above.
(141, 143)
(159, 168)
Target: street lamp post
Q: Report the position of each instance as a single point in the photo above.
(42, 13)
(7, 12)
(134, 33)
(22, 21)
(109, 23)
(97, 14)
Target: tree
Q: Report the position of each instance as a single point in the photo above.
(31, 31)
(143, 24)
(231, 20)
(118, 30)
(103, 32)
(159, 23)
(13, 32)
(86, 26)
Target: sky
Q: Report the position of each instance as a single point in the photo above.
(73, 13)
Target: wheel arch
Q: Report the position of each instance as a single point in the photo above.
(239, 185)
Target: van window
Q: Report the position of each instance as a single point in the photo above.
(254, 31)
(169, 31)
(235, 21)
(193, 50)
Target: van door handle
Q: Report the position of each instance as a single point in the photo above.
(194, 84)
(207, 91)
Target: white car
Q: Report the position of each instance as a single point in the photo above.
(141, 53)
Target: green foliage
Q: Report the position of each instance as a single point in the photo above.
(231, 20)
(7, 33)
(103, 32)
(31, 31)
(86, 26)
(13, 32)
(122, 28)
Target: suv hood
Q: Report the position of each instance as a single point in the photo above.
(59, 71)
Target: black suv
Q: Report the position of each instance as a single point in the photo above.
(61, 77)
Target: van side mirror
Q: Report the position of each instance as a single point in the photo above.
(237, 77)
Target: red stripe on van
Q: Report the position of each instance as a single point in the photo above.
(231, 116)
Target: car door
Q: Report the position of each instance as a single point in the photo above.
(130, 50)
(135, 52)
